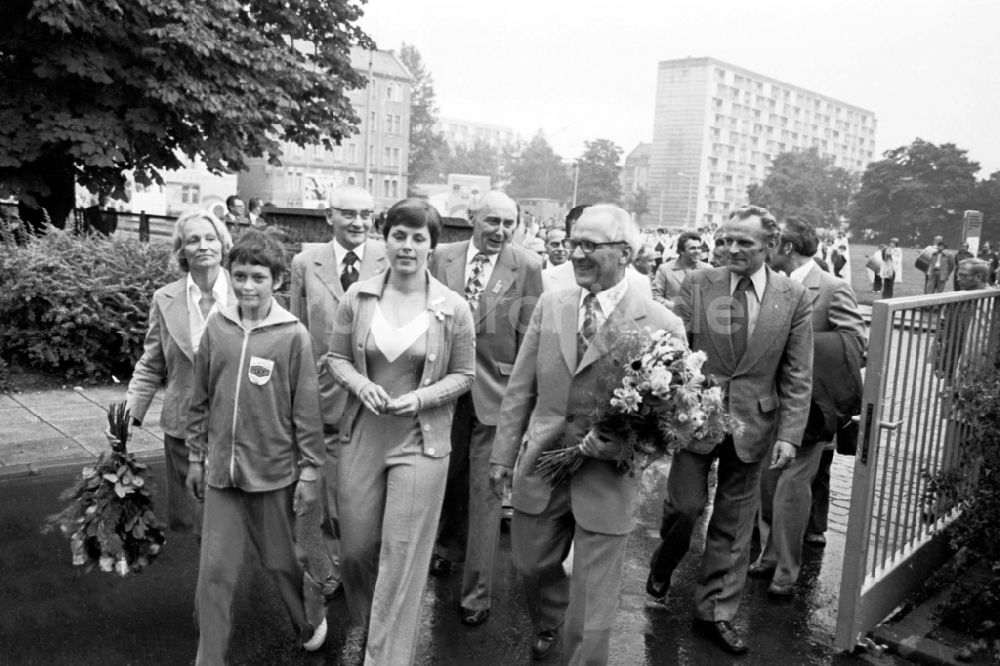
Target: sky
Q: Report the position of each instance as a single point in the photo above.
(582, 70)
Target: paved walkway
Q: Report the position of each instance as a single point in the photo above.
(61, 428)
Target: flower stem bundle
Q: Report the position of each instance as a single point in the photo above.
(110, 520)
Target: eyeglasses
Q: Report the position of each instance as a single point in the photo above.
(351, 214)
(588, 247)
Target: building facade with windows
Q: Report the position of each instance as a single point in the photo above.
(375, 158)
(466, 133)
(635, 170)
(716, 128)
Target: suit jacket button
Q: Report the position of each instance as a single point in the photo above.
(427, 427)
(432, 357)
(569, 419)
(427, 381)
(430, 451)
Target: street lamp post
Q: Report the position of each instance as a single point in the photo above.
(687, 216)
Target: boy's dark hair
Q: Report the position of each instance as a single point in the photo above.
(257, 248)
(414, 214)
(684, 238)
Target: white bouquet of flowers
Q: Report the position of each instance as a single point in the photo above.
(658, 400)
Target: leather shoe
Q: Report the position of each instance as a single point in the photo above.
(332, 588)
(760, 570)
(440, 566)
(781, 589)
(474, 618)
(722, 634)
(545, 642)
(815, 539)
(657, 588)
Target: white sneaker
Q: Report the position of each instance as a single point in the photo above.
(318, 638)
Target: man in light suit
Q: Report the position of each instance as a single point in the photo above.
(786, 494)
(670, 274)
(940, 266)
(502, 283)
(321, 274)
(549, 398)
(755, 327)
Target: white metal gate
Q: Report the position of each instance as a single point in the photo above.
(919, 347)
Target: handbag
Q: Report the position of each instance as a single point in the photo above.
(874, 263)
(924, 261)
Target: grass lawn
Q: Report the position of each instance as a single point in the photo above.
(911, 285)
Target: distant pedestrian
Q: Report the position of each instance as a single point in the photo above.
(236, 215)
(839, 260)
(255, 213)
(962, 254)
(255, 442)
(987, 254)
(887, 272)
(937, 264)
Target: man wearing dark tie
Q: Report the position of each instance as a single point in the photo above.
(321, 273)
(501, 283)
(754, 326)
(547, 406)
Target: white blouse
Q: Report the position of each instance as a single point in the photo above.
(393, 341)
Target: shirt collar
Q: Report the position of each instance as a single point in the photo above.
(608, 299)
(472, 252)
(339, 251)
(758, 279)
(800, 273)
(220, 290)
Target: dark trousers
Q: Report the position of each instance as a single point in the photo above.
(877, 283)
(184, 514)
(727, 544)
(821, 495)
(887, 285)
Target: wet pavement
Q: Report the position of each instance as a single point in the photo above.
(54, 613)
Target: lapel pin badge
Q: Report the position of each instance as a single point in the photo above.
(497, 287)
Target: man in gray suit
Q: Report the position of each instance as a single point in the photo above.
(754, 325)
(502, 283)
(547, 406)
(786, 494)
(321, 273)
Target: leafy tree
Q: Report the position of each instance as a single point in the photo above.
(92, 90)
(637, 202)
(481, 159)
(916, 192)
(600, 173)
(427, 147)
(538, 172)
(807, 185)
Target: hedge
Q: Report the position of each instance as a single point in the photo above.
(78, 305)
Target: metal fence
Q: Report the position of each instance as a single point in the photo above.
(920, 348)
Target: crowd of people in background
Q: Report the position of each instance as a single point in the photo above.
(411, 384)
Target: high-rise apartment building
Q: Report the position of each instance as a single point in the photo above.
(467, 134)
(717, 127)
(375, 158)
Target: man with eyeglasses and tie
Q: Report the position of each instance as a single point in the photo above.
(502, 283)
(547, 406)
(321, 273)
(755, 327)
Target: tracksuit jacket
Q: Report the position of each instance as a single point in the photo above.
(255, 417)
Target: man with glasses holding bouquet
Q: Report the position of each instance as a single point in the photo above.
(321, 273)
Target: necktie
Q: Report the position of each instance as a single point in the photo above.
(350, 274)
(474, 287)
(739, 320)
(586, 333)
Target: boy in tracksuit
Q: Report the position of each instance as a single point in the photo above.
(255, 440)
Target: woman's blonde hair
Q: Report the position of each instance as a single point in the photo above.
(178, 236)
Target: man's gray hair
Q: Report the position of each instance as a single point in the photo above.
(625, 228)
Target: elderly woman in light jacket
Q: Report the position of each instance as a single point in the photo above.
(176, 323)
(404, 348)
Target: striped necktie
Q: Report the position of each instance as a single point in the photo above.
(589, 326)
(350, 274)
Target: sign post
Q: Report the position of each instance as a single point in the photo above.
(972, 230)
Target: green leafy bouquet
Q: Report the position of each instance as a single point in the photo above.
(657, 400)
(110, 521)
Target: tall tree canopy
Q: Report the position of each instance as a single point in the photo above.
(807, 185)
(92, 90)
(427, 147)
(916, 192)
(538, 172)
(481, 159)
(600, 173)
